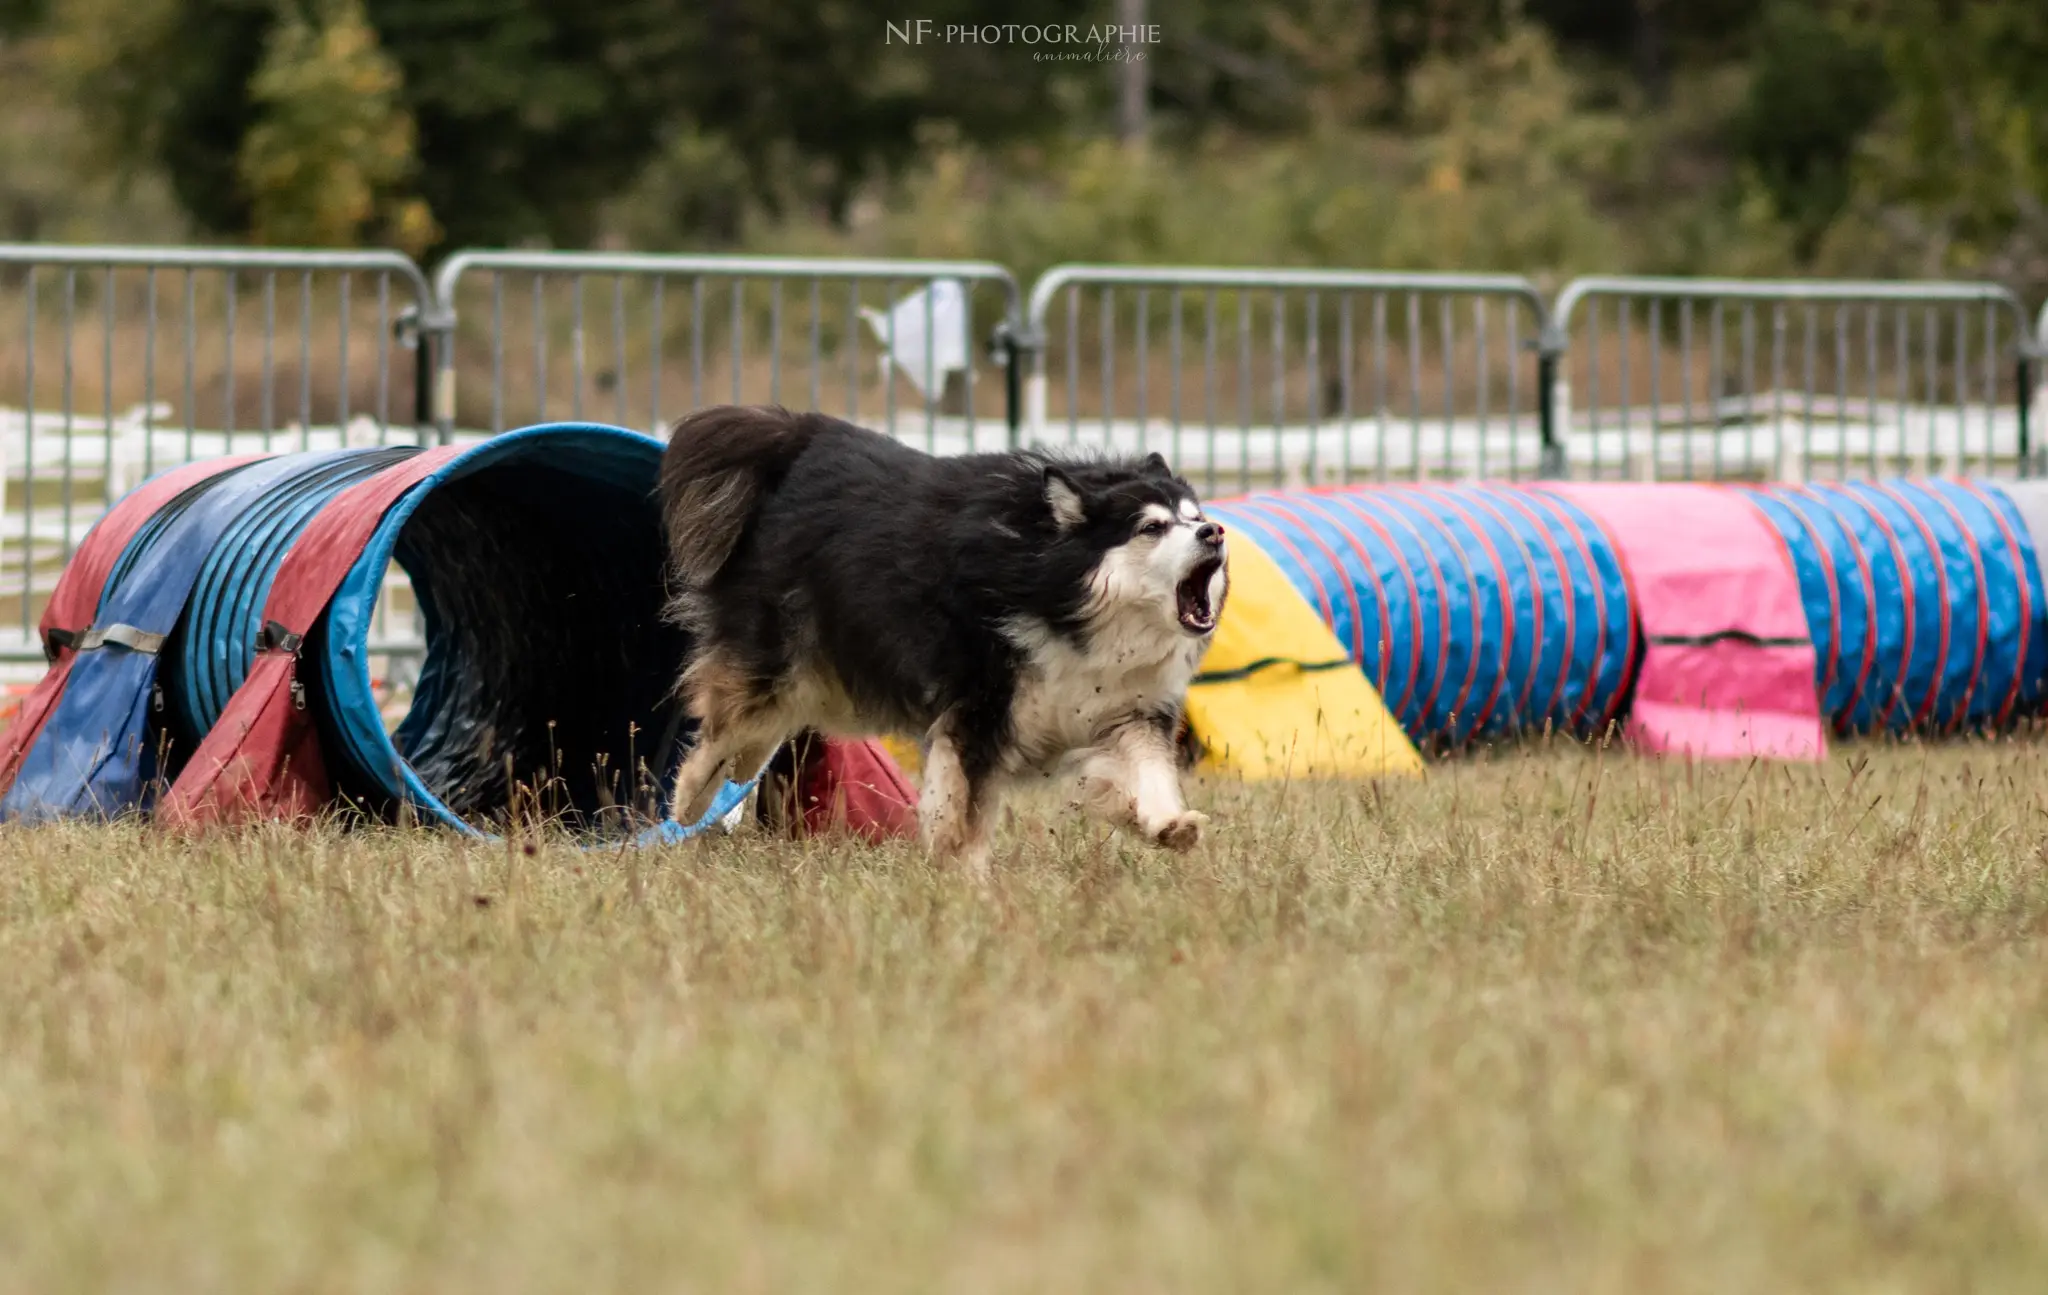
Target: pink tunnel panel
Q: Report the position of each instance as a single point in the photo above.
(1728, 665)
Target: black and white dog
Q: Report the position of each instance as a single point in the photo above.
(1025, 616)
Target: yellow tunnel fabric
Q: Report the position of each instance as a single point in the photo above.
(1279, 697)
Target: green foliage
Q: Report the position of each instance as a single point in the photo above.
(1961, 160)
(531, 114)
(1509, 150)
(1817, 86)
(326, 160)
(1497, 174)
(1688, 33)
(18, 16)
(44, 192)
(163, 87)
(1766, 136)
(816, 99)
(698, 190)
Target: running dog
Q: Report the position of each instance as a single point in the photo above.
(1023, 615)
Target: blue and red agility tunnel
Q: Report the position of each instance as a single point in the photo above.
(210, 649)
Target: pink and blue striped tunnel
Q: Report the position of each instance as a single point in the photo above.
(1483, 610)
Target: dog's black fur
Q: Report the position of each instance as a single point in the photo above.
(841, 579)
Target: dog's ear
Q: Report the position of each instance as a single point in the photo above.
(1155, 465)
(1063, 497)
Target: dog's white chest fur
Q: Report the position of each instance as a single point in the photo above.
(1069, 698)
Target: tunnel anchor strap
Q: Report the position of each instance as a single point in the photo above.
(274, 637)
(127, 636)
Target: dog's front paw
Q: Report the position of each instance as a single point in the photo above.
(1182, 832)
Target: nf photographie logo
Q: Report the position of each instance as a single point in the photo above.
(1098, 42)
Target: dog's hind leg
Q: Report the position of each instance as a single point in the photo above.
(1132, 780)
(736, 734)
(717, 758)
(957, 804)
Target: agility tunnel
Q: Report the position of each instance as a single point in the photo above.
(1470, 610)
(210, 641)
(1923, 600)
(210, 648)
(1720, 621)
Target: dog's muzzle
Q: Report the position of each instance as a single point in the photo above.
(1191, 598)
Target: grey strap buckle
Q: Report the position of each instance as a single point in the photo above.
(126, 636)
(274, 637)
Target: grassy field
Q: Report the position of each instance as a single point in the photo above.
(1548, 1021)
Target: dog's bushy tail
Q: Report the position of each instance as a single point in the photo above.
(717, 464)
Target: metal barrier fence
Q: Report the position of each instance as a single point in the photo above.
(131, 359)
(2039, 408)
(1297, 375)
(676, 332)
(1729, 378)
(116, 362)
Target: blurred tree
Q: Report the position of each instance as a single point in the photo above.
(1506, 150)
(526, 120)
(18, 16)
(530, 113)
(1226, 61)
(1278, 64)
(163, 86)
(1334, 45)
(1650, 35)
(327, 158)
(823, 86)
(1281, 65)
(1962, 154)
(697, 190)
(1816, 86)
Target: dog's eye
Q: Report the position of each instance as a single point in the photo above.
(1154, 528)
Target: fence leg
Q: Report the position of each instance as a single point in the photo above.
(1554, 397)
(2031, 401)
(438, 341)
(1013, 392)
(1791, 461)
(430, 335)
(1017, 350)
(424, 373)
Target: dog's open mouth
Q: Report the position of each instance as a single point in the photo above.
(1191, 597)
